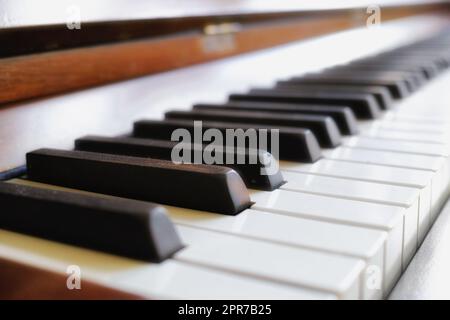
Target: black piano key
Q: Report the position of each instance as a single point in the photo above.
(124, 227)
(364, 106)
(429, 64)
(294, 144)
(381, 94)
(398, 89)
(413, 81)
(201, 187)
(250, 172)
(343, 116)
(428, 70)
(323, 127)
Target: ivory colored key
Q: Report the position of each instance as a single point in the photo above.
(362, 243)
(388, 158)
(351, 189)
(168, 280)
(404, 197)
(405, 126)
(435, 138)
(273, 262)
(400, 225)
(397, 146)
(409, 148)
(436, 164)
(419, 179)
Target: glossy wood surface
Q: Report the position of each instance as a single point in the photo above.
(139, 52)
(48, 12)
(23, 282)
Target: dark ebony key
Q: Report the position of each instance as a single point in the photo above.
(120, 226)
(295, 144)
(364, 106)
(201, 187)
(381, 94)
(343, 116)
(413, 81)
(323, 127)
(398, 89)
(250, 171)
(428, 70)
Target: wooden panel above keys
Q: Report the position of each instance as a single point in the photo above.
(91, 55)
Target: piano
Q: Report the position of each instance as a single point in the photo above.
(354, 97)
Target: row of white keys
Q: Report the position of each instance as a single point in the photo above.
(418, 179)
(410, 147)
(401, 227)
(404, 115)
(438, 165)
(405, 197)
(406, 136)
(440, 178)
(421, 136)
(273, 262)
(297, 232)
(168, 280)
(404, 125)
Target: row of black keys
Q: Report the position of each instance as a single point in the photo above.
(311, 111)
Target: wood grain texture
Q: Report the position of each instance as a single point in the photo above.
(47, 73)
(22, 282)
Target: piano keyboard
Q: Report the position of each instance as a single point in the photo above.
(364, 171)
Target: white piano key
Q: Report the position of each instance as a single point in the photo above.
(405, 116)
(435, 138)
(441, 185)
(273, 262)
(363, 191)
(177, 280)
(405, 126)
(419, 179)
(436, 164)
(390, 219)
(361, 171)
(397, 146)
(388, 158)
(167, 280)
(350, 189)
(362, 243)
